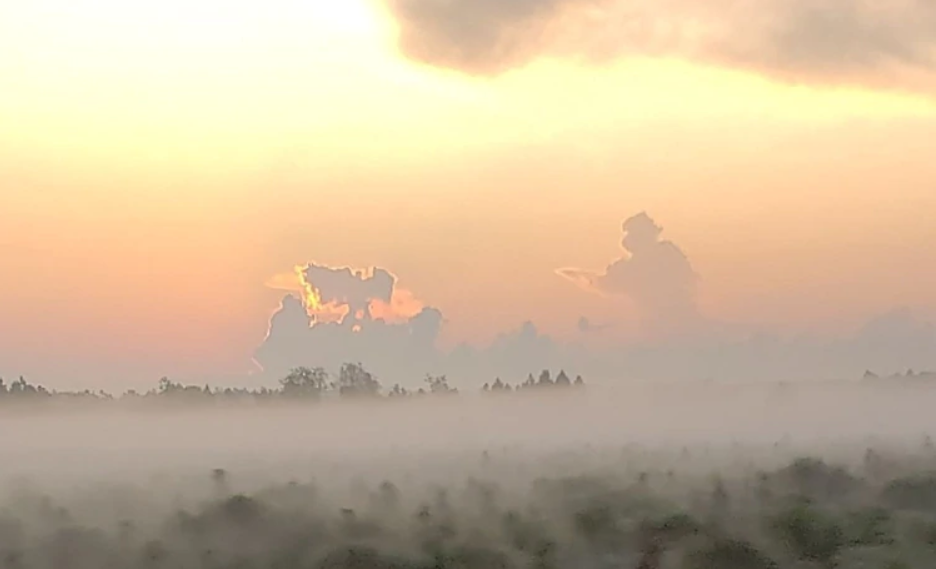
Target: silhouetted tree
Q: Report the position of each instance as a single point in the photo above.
(438, 385)
(166, 386)
(562, 380)
(545, 379)
(179, 392)
(398, 391)
(301, 383)
(355, 381)
(22, 388)
(305, 383)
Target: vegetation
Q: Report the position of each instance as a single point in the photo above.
(603, 519)
(588, 508)
(353, 381)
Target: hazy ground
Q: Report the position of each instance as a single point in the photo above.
(107, 439)
(109, 466)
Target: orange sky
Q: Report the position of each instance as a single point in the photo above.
(158, 166)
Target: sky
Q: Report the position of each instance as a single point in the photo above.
(164, 170)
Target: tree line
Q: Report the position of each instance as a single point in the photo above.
(353, 381)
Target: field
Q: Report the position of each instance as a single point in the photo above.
(720, 477)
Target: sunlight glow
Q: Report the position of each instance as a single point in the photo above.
(311, 296)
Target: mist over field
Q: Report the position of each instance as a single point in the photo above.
(651, 414)
(697, 475)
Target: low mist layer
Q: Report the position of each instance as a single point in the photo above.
(654, 476)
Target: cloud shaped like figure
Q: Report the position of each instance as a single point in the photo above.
(655, 275)
(867, 42)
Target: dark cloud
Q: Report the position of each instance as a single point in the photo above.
(477, 36)
(655, 274)
(870, 42)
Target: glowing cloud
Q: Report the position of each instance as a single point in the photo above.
(331, 294)
(403, 306)
(310, 295)
(345, 314)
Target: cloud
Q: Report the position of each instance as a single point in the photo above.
(404, 353)
(476, 36)
(345, 286)
(398, 340)
(331, 294)
(403, 306)
(295, 338)
(322, 324)
(341, 314)
(889, 43)
(655, 275)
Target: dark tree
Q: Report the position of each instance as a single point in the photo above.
(545, 379)
(305, 383)
(355, 381)
(562, 380)
(22, 388)
(398, 391)
(438, 385)
(166, 386)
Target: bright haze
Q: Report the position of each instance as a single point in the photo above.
(628, 189)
